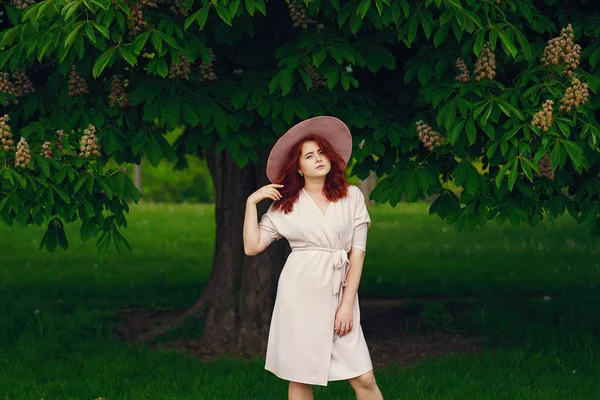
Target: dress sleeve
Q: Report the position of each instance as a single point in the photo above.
(362, 222)
(268, 231)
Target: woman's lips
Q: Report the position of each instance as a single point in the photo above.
(320, 166)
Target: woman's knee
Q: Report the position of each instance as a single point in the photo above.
(365, 381)
(300, 386)
(299, 391)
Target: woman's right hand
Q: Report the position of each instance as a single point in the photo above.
(269, 191)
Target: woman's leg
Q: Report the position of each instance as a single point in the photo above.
(299, 391)
(365, 387)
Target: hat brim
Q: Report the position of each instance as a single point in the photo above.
(329, 128)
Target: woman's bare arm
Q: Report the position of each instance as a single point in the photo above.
(357, 259)
(253, 244)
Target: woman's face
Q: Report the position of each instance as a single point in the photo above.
(313, 163)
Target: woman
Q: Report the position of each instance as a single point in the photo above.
(315, 334)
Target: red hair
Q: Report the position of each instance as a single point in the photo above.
(336, 185)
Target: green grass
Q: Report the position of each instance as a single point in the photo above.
(57, 311)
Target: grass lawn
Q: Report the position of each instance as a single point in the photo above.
(533, 292)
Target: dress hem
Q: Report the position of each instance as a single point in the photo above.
(320, 383)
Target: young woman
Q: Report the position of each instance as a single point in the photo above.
(315, 334)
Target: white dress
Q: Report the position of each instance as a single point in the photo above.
(302, 345)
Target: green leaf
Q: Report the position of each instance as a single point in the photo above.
(319, 57)
(355, 22)
(458, 31)
(345, 81)
(102, 30)
(203, 16)
(128, 56)
(528, 172)
(189, 113)
(233, 7)
(378, 57)
(530, 163)
(510, 107)
(80, 182)
(260, 6)
(512, 178)
(471, 131)
(73, 35)
(492, 149)
(487, 114)
(223, 13)
(466, 175)
(405, 8)
(103, 244)
(564, 127)
(174, 113)
(250, 7)
(363, 8)
(333, 77)
(425, 74)
(593, 59)
(220, 120)
(102, 62)
(344, 13)
(61, 194)
(8, 36)
(460, 173)
(575, 152)
(285, 81)
(426, 25)
(512, 132)
(441, 35)
(153, 151)
(140, 42)
(556, 156)
(42, 163)
(524, 44)
(162, 68)
(131, 189)
(14, 15)
(157, 42)
(444, 205)
(413, 24)
(379, 5)
(471, 184)
(456, 131)
(121, 243)
(60, 233)
(49, 239)
(478, 44)
(508, 43)
(503, 172)
(240, 99)
(411, 189)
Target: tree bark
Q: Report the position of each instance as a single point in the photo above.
(366, 187)
(238, 301)
(240, 292)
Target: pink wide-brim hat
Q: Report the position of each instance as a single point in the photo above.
(329, 128)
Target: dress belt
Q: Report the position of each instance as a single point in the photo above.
(341, 265)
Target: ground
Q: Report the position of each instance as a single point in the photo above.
(388, 327)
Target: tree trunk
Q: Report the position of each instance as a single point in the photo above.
(238, 300)
(366, 187)
(240, 292)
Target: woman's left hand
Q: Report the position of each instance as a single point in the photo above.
(343, 320)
